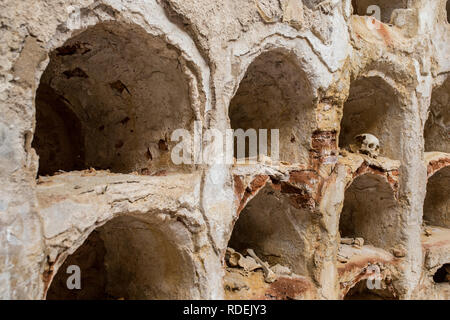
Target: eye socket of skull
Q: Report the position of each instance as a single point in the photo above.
(371, 146)
(360, 139)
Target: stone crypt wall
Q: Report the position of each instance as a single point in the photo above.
(91, 92)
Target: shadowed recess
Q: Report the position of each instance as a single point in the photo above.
(128, 259)
(361, 291)
(448, 11)
(110, 98)
(278, 231)
(370, 211)
(437, 127)
(436, 209)
(442, 275)
(276, 94)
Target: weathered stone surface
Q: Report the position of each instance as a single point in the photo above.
(91, 92)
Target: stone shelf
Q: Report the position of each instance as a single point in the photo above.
(435, 161)
(251, 286)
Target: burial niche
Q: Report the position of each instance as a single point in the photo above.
(110, 98)
(275, 94)
(128, 258)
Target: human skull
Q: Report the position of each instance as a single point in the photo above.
(368, 144)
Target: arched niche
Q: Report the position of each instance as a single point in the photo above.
(110, 98)
(387, 7)
(437, 127)
(371, 212)
(436, 209)
(129, 258)
(372, 107)
(278, 230)
(276, 94)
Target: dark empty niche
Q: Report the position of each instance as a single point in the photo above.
(362, 292)
(370, 211)
(442, 275)
(276, 94)
(107, 99)
(437, 201)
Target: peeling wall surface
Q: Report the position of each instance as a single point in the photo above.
(95, 95)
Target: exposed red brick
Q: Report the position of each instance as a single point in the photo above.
(258, 183)
(244, 194)
(367, 168)
(288, 289)
(239, 189)
(435, 166)
(324, 148)
(303, 177)
(362, 263)
(307, 186)
(324, 140)
(391, 177)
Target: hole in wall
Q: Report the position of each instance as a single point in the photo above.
(437, 202)
(59, 138)
(275, 94)
(107, 99)
(442, 275)
(370, 212)
(372, 107)
(278, 231)
(127, 259)
(437, 127)
(362, 292)
(360, 8)
(447, 7)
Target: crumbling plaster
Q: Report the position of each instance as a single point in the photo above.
(43, 221)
